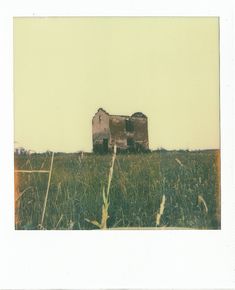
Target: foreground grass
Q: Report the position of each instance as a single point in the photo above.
(188, 180)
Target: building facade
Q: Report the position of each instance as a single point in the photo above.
(127, 132)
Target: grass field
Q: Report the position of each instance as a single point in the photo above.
(188, 181)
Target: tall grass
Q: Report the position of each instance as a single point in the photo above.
(139, 182)
(106, 198)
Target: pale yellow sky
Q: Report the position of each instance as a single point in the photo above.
(165, 67)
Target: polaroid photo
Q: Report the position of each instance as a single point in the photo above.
(118, 146)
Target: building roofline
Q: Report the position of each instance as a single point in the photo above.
(124, 116)
(101, 109)
(139, 115)
(136, 114)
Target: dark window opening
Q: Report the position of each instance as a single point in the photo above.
(105, 145)
(130, 142)
(129, 126)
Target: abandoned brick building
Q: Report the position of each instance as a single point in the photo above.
(127, 132)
